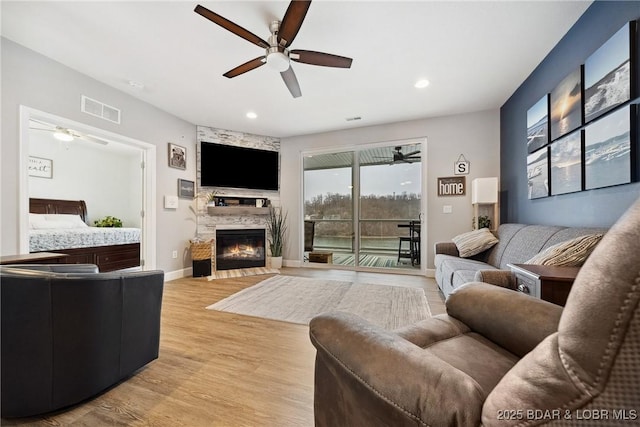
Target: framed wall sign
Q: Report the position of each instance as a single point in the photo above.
(461, 166)
(452, 186)
(42, 168)
(186, 189)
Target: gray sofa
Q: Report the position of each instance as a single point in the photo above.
(517, 243)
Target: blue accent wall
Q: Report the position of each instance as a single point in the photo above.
(599, 207)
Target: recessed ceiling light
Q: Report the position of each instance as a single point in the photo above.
(252, 115)
(136, 85)
(422, 83)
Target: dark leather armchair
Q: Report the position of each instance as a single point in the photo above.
(498, 357)
(69, 332)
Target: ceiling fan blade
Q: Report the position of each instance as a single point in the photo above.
(247, 66)
(292, 21)
(94, 139)
(412, 153)
(319, 58)
(291, 81)
(230, 26)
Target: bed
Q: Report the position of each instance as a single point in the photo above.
(60, 226)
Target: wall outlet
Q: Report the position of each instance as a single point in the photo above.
(174, 254)
(447, 209)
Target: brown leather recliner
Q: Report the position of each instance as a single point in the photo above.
(498, 357)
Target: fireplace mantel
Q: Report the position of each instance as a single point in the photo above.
(236, 210)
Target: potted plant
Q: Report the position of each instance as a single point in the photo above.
(211, 201)
(277, 229)
(108, 221)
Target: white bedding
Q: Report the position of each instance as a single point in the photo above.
(82, 237)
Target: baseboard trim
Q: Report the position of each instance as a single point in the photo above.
(430, 272)
(178, 274)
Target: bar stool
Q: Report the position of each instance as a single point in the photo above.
(413, 240)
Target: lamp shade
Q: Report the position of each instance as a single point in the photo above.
(484, 190)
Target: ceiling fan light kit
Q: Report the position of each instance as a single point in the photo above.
(63, 135)
(276, 53)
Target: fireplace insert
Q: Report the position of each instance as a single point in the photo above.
(240, 248)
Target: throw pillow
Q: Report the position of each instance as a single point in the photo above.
(474, 242)
(572, 253)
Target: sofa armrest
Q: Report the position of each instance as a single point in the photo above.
(353, 369)
(446, 248)
(503, 278)
(513, 320)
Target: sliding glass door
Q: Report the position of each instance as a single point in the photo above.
(328, 208)
(358, 206)
(390, 198)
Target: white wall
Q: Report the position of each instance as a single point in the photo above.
(476, 135)
(109, 181)
(35, 81)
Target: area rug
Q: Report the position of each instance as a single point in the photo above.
(242, 272)
(299, 299)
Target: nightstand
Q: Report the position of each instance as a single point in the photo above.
(548, 282)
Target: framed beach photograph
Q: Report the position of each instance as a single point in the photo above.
(186, 189)
(538, 174)
(608, 146)
(566, 105)
(538, 125)
(607, 74)
(177, 156)
(42, 168)
(566, 164)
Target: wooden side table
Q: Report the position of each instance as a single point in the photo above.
(325, 257)
(33, 258)
(550, 283)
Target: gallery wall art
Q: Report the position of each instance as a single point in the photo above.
(538, 125)
(566, 105)
(608, 150)
(583, 134)
(538, 174)
(607, 74)
(566, 164)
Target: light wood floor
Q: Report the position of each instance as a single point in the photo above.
(220, 369)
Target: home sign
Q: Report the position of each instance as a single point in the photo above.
(452, 186)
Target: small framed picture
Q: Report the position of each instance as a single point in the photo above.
(186, 189)
(177, 156)
(42, 168)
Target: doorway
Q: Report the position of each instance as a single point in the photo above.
(96, 144)
(359, 205)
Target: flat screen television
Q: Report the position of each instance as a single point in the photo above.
(238, 167)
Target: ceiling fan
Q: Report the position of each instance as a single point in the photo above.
(64, 134)
(277, 54)
(399, 156)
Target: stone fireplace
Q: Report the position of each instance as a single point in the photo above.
(240, 248)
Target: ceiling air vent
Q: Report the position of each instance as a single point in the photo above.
(99, 109)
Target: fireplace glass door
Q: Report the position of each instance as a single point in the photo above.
(240, 248)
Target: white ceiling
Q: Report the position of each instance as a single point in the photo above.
(475, 54)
